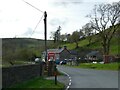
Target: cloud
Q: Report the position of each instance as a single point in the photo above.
(58, 21)
(67, 2)
(28, 32)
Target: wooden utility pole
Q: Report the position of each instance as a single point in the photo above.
(45, 34)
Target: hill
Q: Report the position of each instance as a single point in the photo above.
(22, 49)
(26, 49)
(85, 47)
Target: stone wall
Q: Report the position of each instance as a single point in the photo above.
(16, 74)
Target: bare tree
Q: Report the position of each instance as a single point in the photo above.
(105, 21)
(56, 35)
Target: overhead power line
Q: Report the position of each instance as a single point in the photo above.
(33, 6)
(37, 25)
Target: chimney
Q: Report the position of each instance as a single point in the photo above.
(65, 47)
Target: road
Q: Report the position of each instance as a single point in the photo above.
(89, 78)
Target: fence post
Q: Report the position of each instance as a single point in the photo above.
(55, 74)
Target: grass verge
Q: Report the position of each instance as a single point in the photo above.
(37, 83)
(109, 66)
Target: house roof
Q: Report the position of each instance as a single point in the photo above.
(92, 53)
(73, 52)
(59, 50)
(55, 50)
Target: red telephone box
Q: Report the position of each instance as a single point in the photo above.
(51, 55)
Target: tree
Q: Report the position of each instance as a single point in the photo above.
(69, 38)
(63, 37)
(81, 34)
(53, 36)
(56, 35)
(27, 54)
(104, 21)
(75, 37)
(88, 31)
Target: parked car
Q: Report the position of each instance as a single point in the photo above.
(57, 62)
(63, 62)
(101, 62)
(37, 60)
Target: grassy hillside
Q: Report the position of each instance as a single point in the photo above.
(17, 50)
(95, 44)
(26, 49)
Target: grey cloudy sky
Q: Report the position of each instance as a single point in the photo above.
(20, 19)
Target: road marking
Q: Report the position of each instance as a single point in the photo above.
(67, 87)
(69, 80)
(69, 83)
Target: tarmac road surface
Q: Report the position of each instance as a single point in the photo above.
(90, 78)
